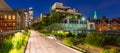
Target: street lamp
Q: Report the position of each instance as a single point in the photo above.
(83, 19)
(68, 21)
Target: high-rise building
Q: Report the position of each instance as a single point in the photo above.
(68, 13)
(30, 15)
(95, 15)
(72, 18)
(59, 7)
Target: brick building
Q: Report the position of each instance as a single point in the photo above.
(11, 19)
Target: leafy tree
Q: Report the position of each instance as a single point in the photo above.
(104, 19)
(55, 16)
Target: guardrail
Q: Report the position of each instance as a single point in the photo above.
(105, 32)
(8, 32)
(4, 35)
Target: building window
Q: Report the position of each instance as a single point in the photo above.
(5, 16)
(5, 24)
(1, 17)
(91, 26)
(13, 17)
(9, 17)
(9, 24)
(14, 24)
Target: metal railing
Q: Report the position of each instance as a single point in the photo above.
(8, 32)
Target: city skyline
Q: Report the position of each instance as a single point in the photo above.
(109, 8)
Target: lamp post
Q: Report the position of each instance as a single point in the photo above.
(68, 21)
(83, 19)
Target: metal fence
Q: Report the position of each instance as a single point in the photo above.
(5, 35)
(8, 32)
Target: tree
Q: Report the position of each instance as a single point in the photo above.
(55, 16)
(104, 19)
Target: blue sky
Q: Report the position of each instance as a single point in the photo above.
(109, 8)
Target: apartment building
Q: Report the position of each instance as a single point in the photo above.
(59, 7)
(11, 19)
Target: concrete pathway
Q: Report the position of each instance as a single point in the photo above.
(40, 44)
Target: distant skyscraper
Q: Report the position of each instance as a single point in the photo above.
(30, 15)
(11, 19)
(95, 15)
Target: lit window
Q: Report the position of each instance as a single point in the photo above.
(14, 24)
(9, 17)
(9, 24)
(13, 17)
(1, 17)
(5, 24)
(5, 16)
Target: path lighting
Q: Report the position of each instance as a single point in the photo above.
(68, 20)
(83, 19)
(68, 17)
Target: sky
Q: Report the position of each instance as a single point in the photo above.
(108, 8)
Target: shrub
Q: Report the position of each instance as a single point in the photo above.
(15, 43)
(46, 32)
(81, 35)
(25, 32)
(18, 40)
(110, 51)
(6, 46)
(95, 39)
(62, 34)
(71, 35)
(112, 40)
(70, 41)
(117, 42)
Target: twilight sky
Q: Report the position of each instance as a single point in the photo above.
(109, 8)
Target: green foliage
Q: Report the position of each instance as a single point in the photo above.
(6, 46)
(110, 51)
(18, 40)
(81, 35)
(71, 35)
(73, 16)
(62, 34)
(38, 26)
(112, 40)
(55, 27)
(55, 17)
(15, 42)
(95, 39)
(25, 32)
(46, 32)
(70, 41)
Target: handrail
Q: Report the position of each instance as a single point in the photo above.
(8, 32)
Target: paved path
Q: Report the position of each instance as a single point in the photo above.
(40, 44)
